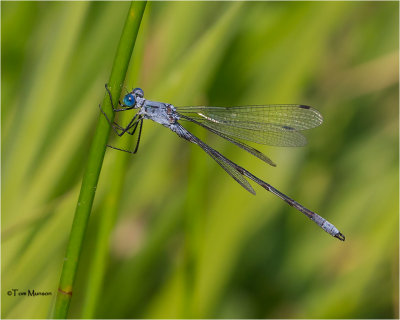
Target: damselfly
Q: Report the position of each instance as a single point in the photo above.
(277, 125)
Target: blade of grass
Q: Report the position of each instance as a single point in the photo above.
(110, 206)
(95, 160)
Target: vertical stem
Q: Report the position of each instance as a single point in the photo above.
(95, 161)
(111, 203)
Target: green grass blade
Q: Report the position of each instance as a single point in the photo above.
(95, 160)
(110, 206)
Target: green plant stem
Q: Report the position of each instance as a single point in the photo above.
(95, 161)
(101, 251)
(110, 206)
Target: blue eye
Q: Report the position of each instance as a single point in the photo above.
(129, 100)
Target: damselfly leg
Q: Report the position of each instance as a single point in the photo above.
(133, 124)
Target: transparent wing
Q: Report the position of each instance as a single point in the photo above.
(276, 125)
(298, 117)
(240, 144)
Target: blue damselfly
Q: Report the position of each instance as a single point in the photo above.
(277, 125)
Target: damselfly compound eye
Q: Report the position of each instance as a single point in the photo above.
(129, 100)
(139, 92)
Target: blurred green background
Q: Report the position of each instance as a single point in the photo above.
(186, 241)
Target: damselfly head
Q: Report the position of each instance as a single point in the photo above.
(132, 98)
